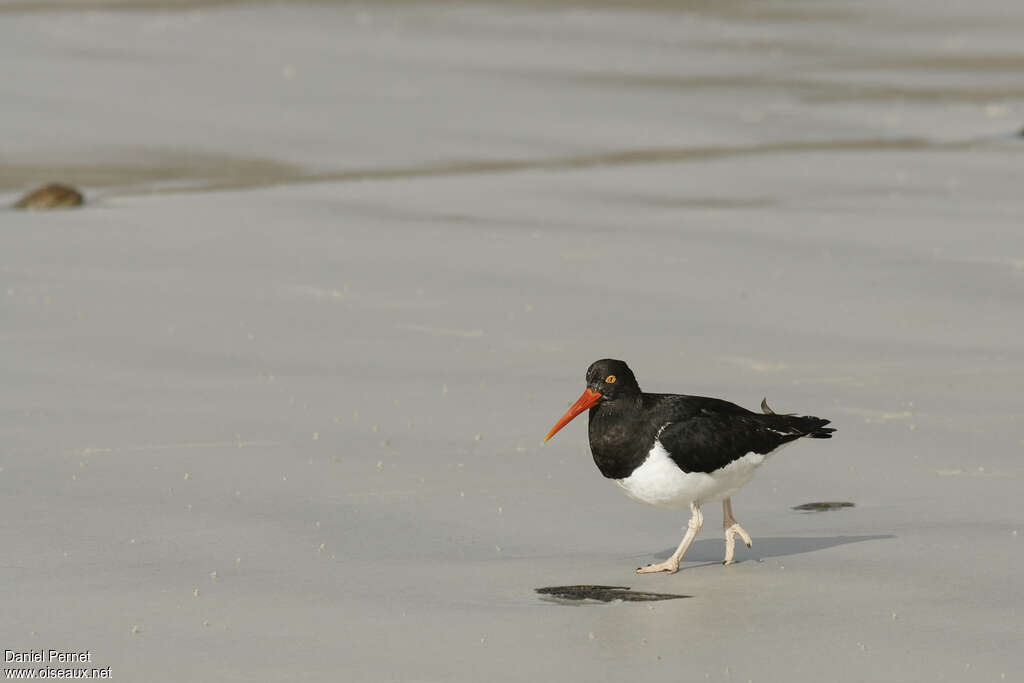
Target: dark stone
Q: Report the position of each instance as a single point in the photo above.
(604, 593)
(821, 507)
(52, 196)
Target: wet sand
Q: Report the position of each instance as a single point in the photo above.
(272, 402)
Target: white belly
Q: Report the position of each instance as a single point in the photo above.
(660, 482)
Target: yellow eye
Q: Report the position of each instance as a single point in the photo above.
(610, 379)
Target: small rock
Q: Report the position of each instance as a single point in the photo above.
(52, 196)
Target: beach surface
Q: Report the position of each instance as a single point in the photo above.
(272, 402)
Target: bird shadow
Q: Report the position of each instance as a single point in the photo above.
(712, 550)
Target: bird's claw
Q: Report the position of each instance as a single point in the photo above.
(667, 566)
(731, 532)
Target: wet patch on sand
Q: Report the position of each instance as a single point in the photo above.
(602, 594)
(822, 507)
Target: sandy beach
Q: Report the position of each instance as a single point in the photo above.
(272, 402)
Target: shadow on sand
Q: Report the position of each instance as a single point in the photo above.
(712, 549)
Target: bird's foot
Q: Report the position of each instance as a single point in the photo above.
(730, 540)
(668, 565)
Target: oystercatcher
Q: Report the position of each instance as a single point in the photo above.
(674, 451)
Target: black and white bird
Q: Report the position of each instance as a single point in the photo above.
(675, 451)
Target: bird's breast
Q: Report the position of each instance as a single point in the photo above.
(659, 481)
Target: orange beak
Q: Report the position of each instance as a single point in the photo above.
(585, 402)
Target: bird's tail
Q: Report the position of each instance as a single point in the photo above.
(802, 425)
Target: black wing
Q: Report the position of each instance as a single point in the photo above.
(710, 433)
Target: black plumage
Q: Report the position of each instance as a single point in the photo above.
(700, 434)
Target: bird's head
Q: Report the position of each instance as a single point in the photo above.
(607, 380)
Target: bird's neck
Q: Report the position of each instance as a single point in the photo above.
(618, 436)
